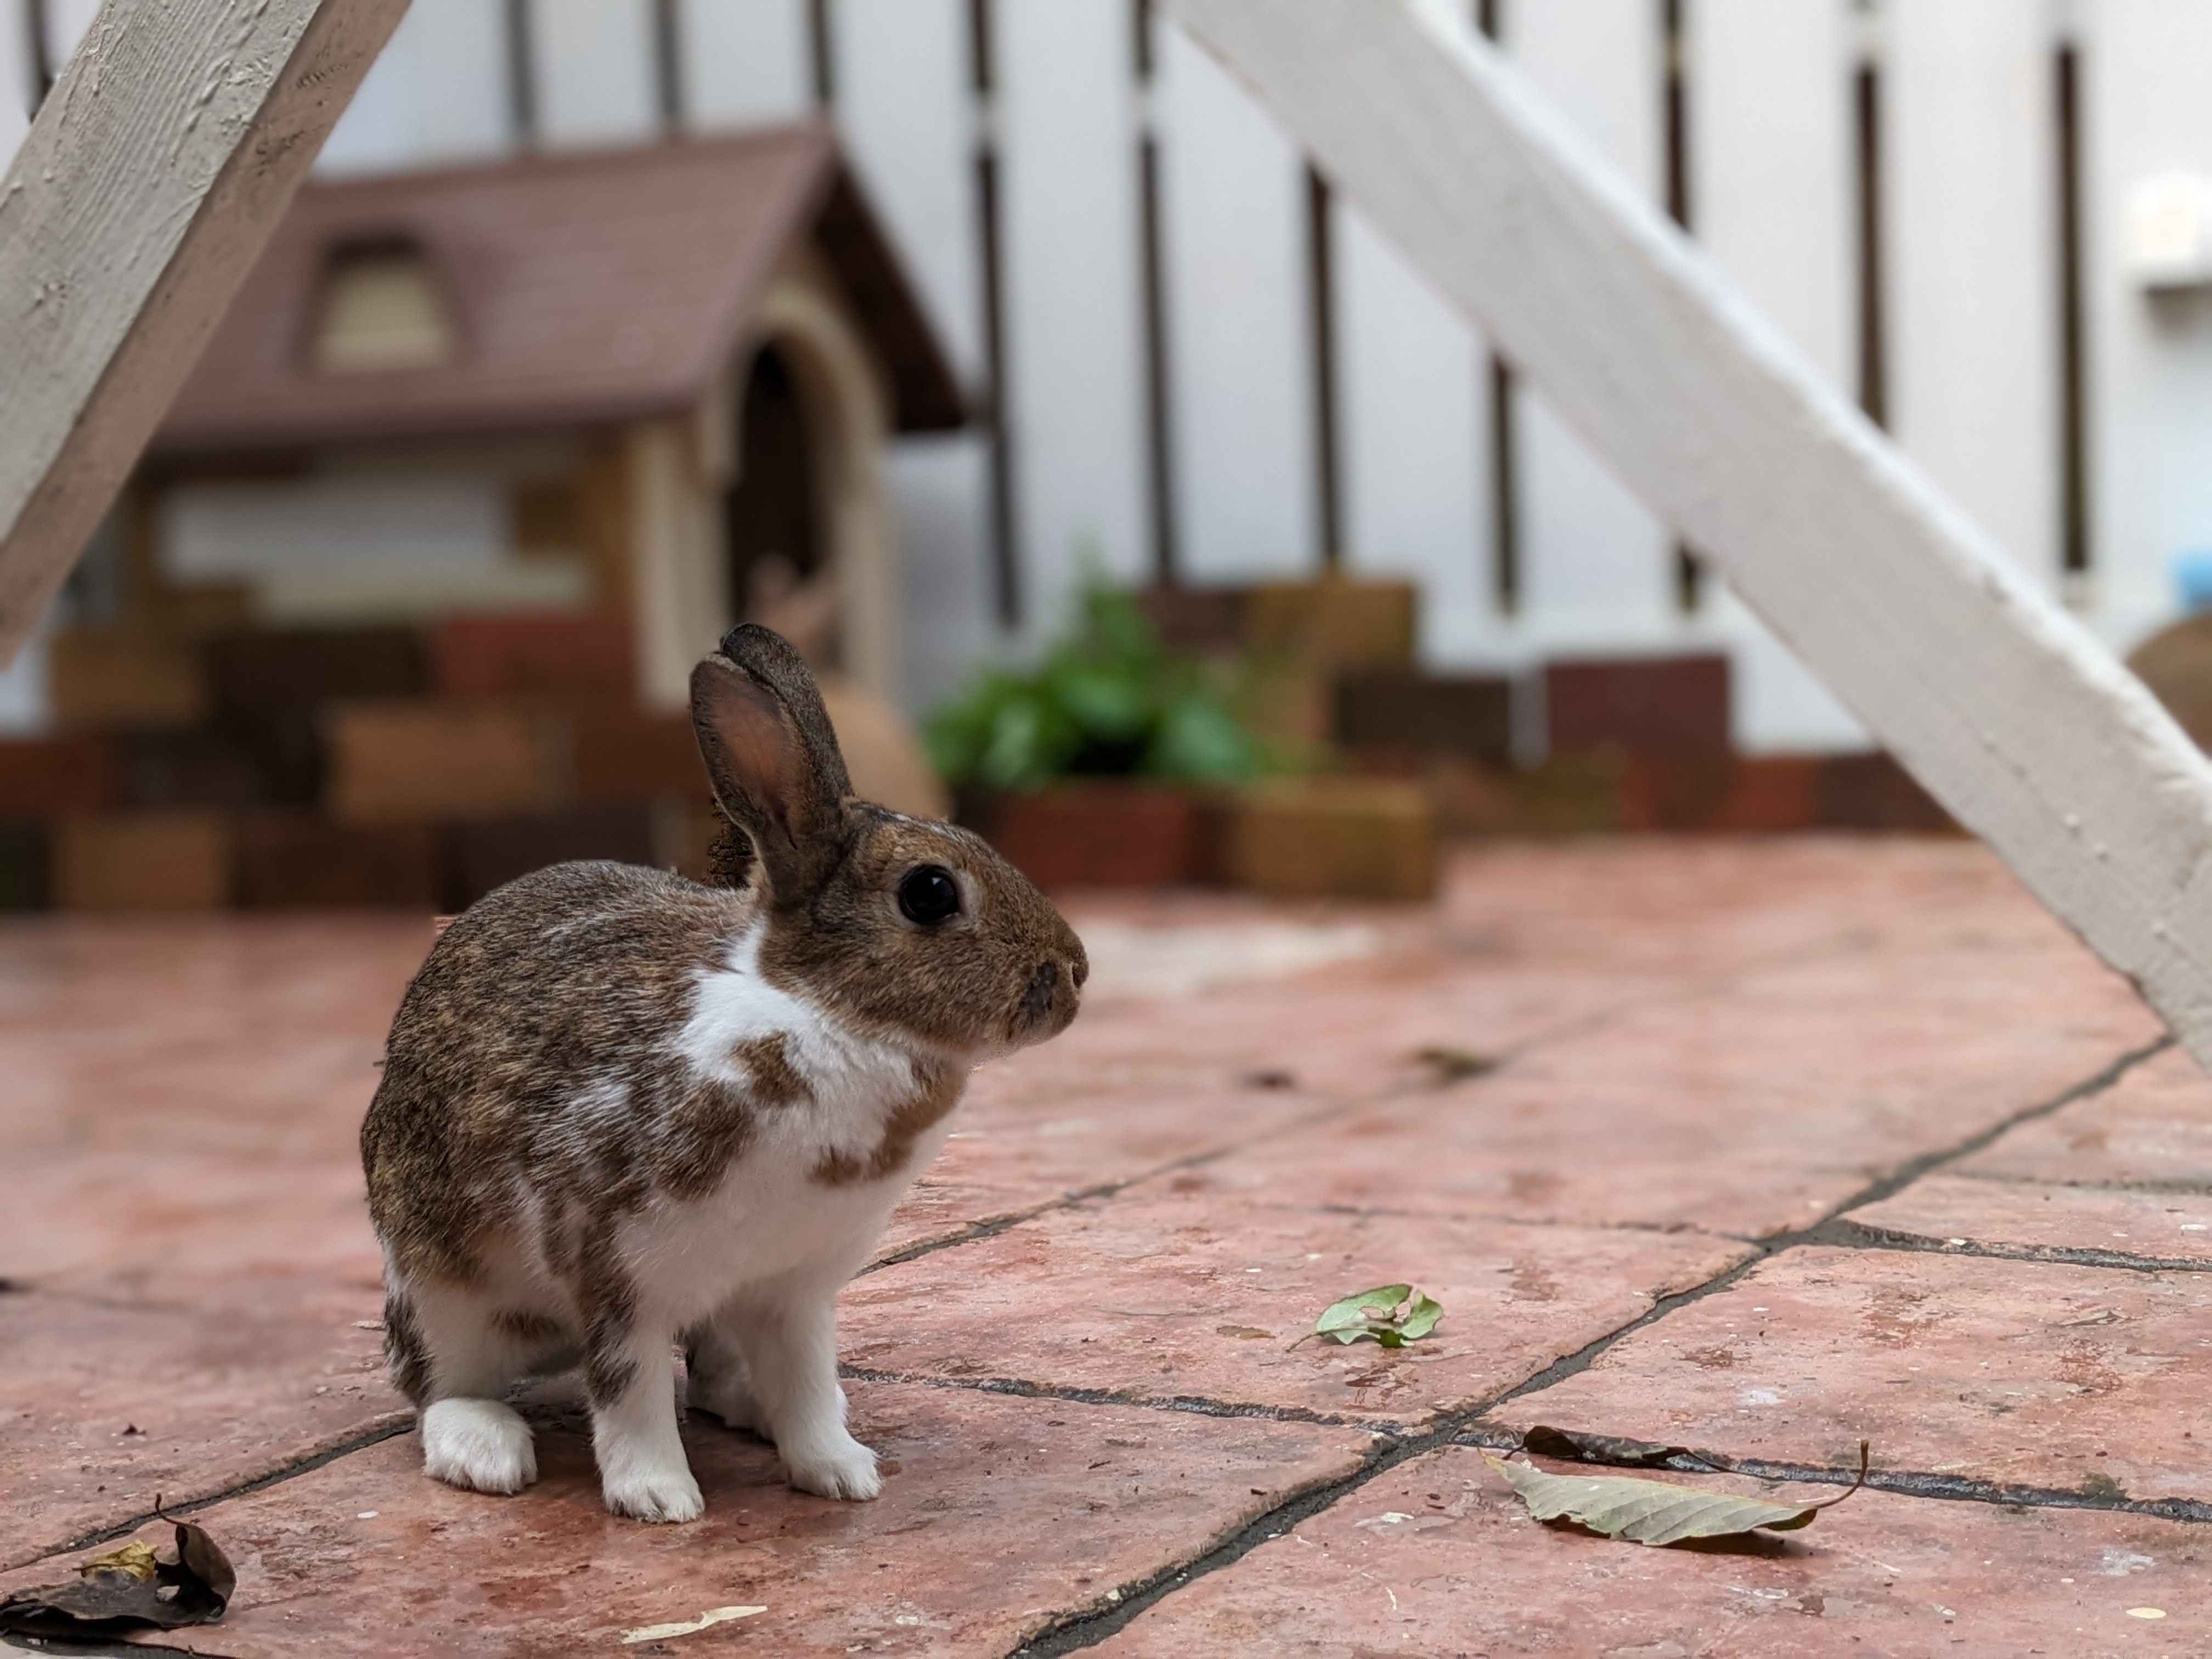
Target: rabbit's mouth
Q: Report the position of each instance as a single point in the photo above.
(1046, 1007)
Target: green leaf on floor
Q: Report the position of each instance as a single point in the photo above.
(1656, 1511)
(1394, 1315)
(130, 1588)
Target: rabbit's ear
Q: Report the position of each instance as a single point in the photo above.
(772, 759)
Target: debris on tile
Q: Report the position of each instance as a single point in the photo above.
(133, 1587)
(1394, 1315)
(1453, 1065)
(1654, 1512)
(687, 1627)
(1575, 1446)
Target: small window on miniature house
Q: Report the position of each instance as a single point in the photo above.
(381, 309)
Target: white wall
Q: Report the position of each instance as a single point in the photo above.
(594, 71)
(1074, 308)
(438, 93)
(1233, 226)
(744, 62)
(1973, 300)
(2147, 90)
(17, 86)
(1597, 572)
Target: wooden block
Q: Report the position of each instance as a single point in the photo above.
(204, 768)
(179, 859)
(1208, 621)
(1100, 834)
(1873, 791)
(1720, 791)
(1333, 620)
(1342, 837)
(44, 777)
(489, 853)
(626, 754)
(23, 866)
(110, 679)
(1570, 795)
(2176, 663)
(294, 860)
(591, 657)
(1405, 711)
(302, 669)
(1639, 705)
(393, 762)
(882, 753)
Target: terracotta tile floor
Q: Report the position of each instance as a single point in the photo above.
(1763, 1147)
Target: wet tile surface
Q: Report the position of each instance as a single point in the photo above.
(1201, 1297)
(1438, 1556)
(2034, 1374)
(1000, 1511)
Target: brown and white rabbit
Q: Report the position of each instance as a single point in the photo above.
(621, 1110)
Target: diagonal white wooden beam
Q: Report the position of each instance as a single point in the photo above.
(144, 192)
(2017, 721)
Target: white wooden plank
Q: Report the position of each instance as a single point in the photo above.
(1239, 371)
(936, 488)
(592, 61)
(1998, 702)
(1413, 379)
(1969, 183)
(1596, 566)
(745, 62)
(1075, 317)
(906, 115)
(148, 184)
(2150, 358)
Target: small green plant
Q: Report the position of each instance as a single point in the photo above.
(1109, 700)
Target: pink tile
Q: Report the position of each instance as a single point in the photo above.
(999, 1515)
(2155, 1225)
(2153, 1128)
(2035, 1374)
(1200, 1296)
(1438, 1556)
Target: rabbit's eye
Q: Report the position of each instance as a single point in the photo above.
(929, 896)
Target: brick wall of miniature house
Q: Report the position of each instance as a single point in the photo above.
(1892, 181)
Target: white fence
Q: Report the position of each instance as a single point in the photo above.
(1796, 124)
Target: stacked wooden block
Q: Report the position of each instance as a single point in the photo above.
(342, 767)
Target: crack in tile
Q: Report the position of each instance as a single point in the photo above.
(1843, 1233)
(1197, 1404)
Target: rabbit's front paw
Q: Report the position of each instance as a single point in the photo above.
(655, 1494)
(842, 1468)
(480, 1445)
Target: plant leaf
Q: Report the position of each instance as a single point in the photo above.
(1394, 1315)
(1572, 1445)
(1655, 1512)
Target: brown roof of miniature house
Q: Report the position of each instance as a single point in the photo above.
(586, 288)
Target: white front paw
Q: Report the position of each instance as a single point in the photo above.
(840, 1468)
(479, 1445)
(654, 1494)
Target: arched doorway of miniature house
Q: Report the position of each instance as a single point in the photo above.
(807, 533)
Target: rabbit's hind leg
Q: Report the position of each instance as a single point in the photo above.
(464, 1351)
(717, 1380)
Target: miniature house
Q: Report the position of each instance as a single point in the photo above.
(654, 382)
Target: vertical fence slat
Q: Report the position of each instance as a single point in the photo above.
(2147, 112)
(1416, 432)
(16, 77)
(1972, 296)
(1597, 566)
(1074, 335)
(437, 95)
(594, 62)
(1239, 351)
(746, 62)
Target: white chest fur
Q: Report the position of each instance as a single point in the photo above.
(771, 1216)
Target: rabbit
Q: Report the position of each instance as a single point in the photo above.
(621, 1109)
